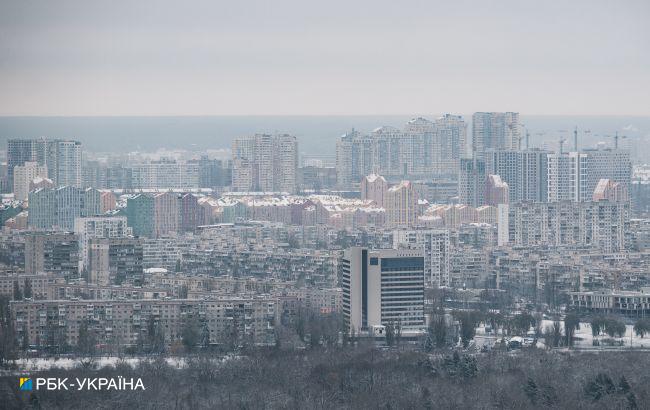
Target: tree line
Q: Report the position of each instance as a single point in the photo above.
(361, 378)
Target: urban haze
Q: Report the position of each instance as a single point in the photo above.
(346, 205)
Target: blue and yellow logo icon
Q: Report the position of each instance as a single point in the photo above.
(25, 384)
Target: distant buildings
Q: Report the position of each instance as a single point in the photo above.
(374, 188)
(140, 214)
(214, 173)
(61, 158)
(89, 228)
(422, 149)
(565, 174)
(450, 145)
(354, 159)
(496, 191)
(316, 178)
(525, 172)
(154, 215)
(471, 182)
(165, 174)
(383, 287)
(52, 252)
(19, 151)
(632, 303)
(125, 323)
(608, 190)
(574, 176)
(265, 163)
(166, 213)
(540, 176)
(56, 209)
(495, 130)
(114, 260)
(600, 225)
(24, 176)
(436, 247)
(401, 203)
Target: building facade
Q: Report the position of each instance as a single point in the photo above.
(495, 130)
(57, 208)
(383, 287)
(266, 163)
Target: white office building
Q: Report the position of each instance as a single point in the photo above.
(383, 287)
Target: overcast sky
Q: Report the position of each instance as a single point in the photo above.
(254, 57)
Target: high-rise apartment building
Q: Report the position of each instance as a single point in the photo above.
(605, 163)
(165, 174)
(265, 162)
(374, 188)
(602, 225)
(52, 252)
(422, 149)
(114, 260)
(573, 176)
(57, 208)
(19, 151)
(495, 130)
(213, 173)
(61, 158)
(436, 247)
(24, 176)
(154, 215)
(98, 227)
(166, 213)
(471, 182)
(525, 172)
(190, 214)
(565, 173)
(417, 147)
(449, 145)
(401, 203)
(139, 211)
(64, 163)
(383, 287)
(354, 159)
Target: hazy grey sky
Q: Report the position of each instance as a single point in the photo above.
(138, 57)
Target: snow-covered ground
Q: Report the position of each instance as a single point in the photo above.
(39, 363)
(583, 337)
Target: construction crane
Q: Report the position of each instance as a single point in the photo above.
(562, 141)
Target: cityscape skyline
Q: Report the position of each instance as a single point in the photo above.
(305, 248)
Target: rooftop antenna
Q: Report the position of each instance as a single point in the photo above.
(616, 140)
(575, 139)
(562, 140)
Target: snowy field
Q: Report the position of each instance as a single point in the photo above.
(39, 363)
(583, 338)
